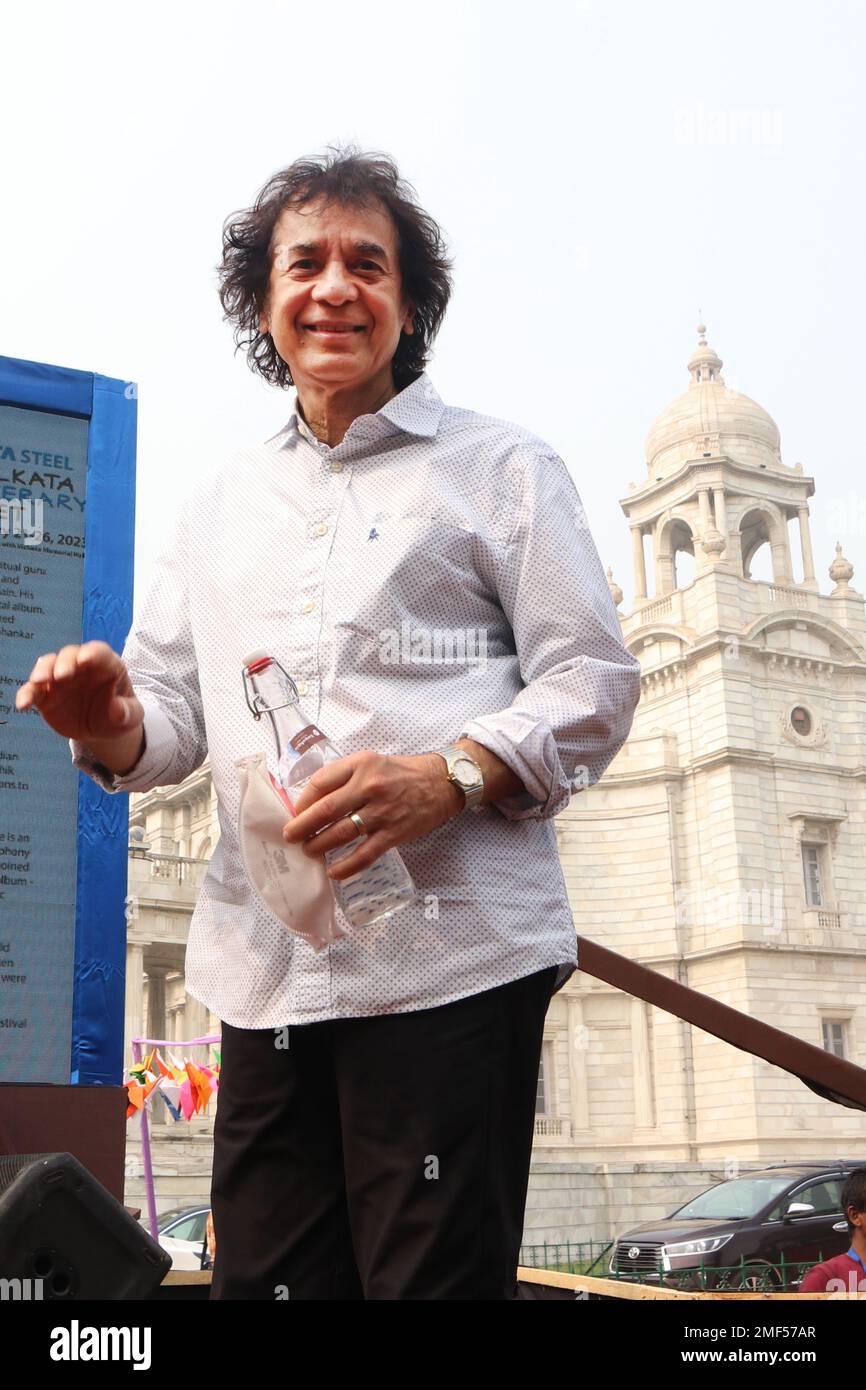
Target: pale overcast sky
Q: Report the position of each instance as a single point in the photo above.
(602, 172)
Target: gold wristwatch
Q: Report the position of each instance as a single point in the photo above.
(465, 773)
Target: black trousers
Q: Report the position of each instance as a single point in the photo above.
(379, 1158)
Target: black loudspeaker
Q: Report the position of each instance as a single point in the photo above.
(64, 1237)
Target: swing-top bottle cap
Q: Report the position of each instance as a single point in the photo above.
(253, 664)
(255, 659)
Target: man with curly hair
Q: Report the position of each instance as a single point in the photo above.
(846, 1273)
(384, 1154)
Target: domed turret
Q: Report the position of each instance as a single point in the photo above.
(710, 419)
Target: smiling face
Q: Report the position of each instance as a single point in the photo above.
(335, 306)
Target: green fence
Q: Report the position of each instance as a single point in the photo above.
(572, 1257)
(593, 1257)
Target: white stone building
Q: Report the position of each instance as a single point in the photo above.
(723, 847)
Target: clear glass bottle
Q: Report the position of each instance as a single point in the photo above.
(385, 886)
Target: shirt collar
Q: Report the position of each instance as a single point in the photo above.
(417, 409)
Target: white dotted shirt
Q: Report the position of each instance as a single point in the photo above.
(428, 531)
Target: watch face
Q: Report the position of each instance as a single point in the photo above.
(467, 772)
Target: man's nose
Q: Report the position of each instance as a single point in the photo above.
(335, 285)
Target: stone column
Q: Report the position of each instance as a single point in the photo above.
(644, 1108)
(195, 1020)
(156, 1022)
(806, 547)
(156, 1025)
(639, 565)
(781, 552)
(134, 1005)
(663, 562)
(704, 507)
(721, 513)
(577, 1069)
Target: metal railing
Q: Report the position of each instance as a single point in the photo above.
(593, 1257)
(571, 1257)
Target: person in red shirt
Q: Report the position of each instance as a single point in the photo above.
(845, 1273)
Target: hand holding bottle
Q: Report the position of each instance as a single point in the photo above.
(383, 885)
(400, 798)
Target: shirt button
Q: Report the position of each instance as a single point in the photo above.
(302, 687)
(321, 529)
(309, 605)
(336, 466)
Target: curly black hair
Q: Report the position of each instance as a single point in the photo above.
(347, 176)
(854, 1194)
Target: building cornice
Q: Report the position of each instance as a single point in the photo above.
(722, 466)
(748, 757)
(718, 640)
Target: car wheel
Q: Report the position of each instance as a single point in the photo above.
(757, 1278)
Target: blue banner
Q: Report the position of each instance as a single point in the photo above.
(67, 514)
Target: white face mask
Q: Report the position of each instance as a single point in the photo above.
(292, 886)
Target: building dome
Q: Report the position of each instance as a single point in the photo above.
(711, 418)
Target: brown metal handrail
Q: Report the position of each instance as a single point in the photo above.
(832, 1078)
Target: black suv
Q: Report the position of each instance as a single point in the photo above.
(761, 1230)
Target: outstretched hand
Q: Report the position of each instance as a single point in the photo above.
(83, 692)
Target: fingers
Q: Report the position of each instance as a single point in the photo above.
(25, 696)
(340, 831)
(95, 654)
(334, 789)
(33, 691)
(56, 667)
(366, 854)
(65, 663)
(328, 779)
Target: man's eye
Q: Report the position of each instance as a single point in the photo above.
(363, 265)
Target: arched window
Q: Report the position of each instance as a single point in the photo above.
(682, 547)
(756, 550)
(684, 569)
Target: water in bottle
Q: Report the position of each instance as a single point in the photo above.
(373, 893)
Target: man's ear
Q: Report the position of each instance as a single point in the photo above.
(264, 326)
(407, 324)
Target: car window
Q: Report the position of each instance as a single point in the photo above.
(825, 1196)
(200, 1226)
(166, 1217)
(735, 1200)
(191, 1228)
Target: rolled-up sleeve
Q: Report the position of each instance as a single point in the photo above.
(581, 684)
(159, 653)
